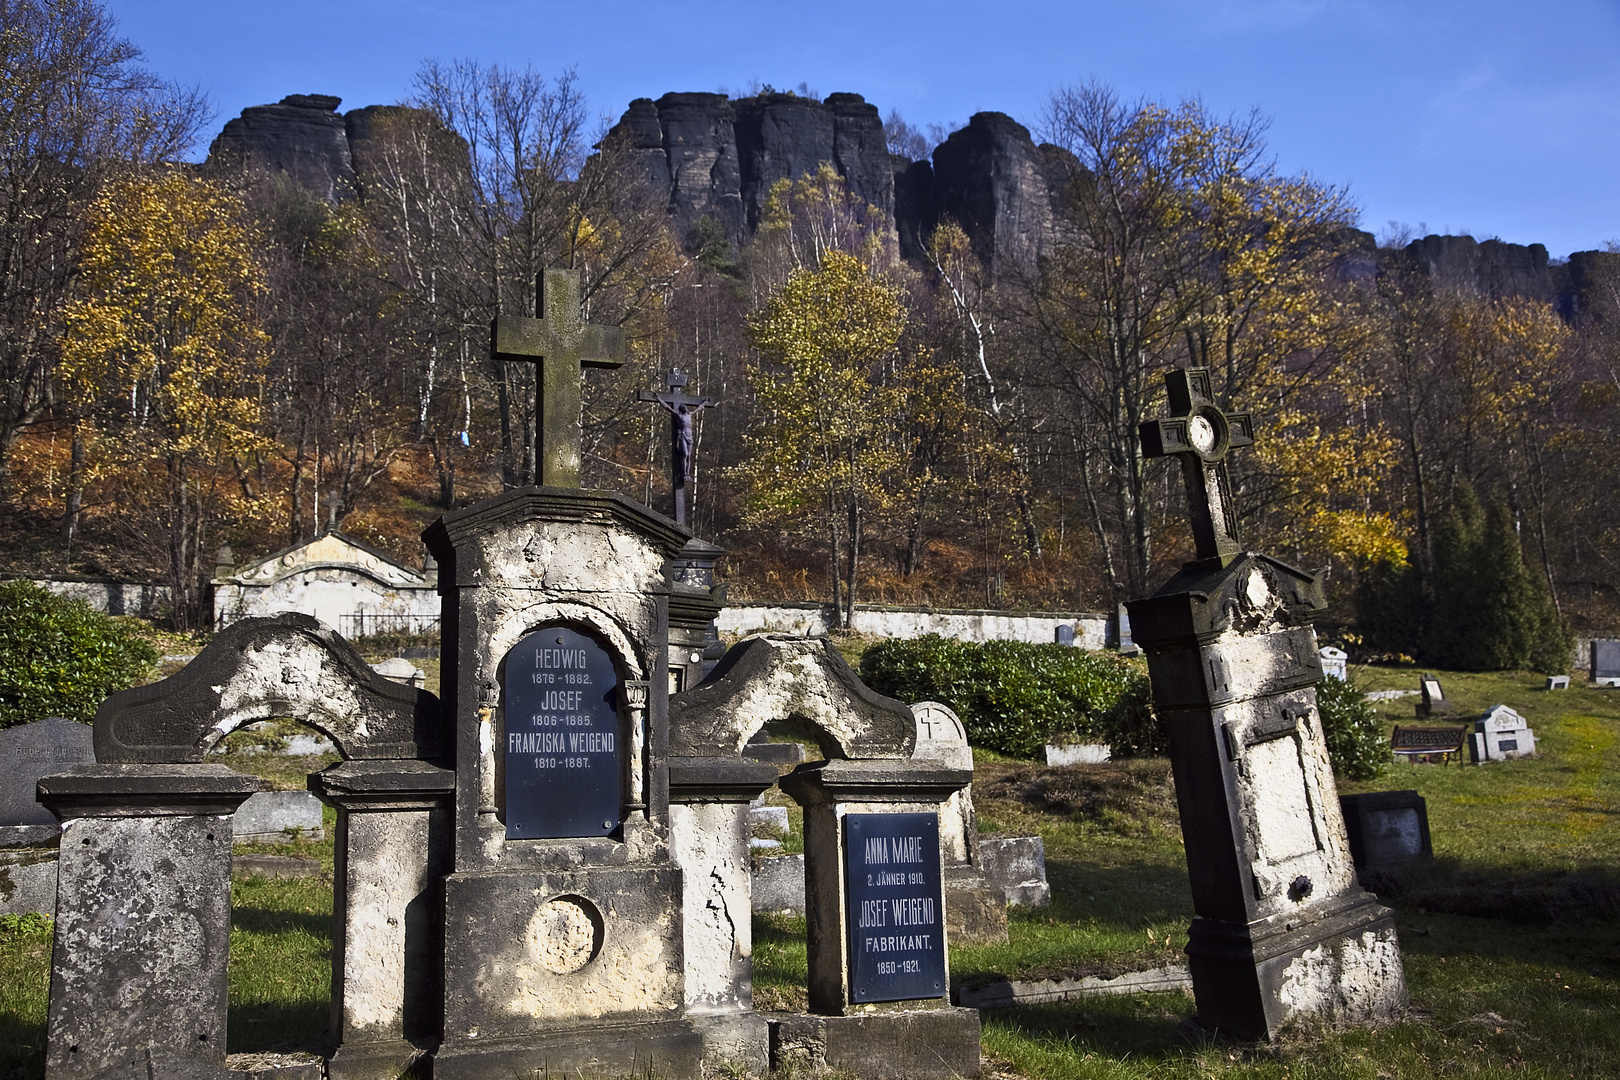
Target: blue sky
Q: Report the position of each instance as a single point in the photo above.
(1493, 118)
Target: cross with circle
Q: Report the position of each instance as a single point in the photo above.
(1200, 434)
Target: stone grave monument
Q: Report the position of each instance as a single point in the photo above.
(1605, 670)
(1282, 931)
(875, 898)
(976, 910)
(29, 835)
(1433, 700)
(1386, 828)
(1501, 734)
(1335, 662)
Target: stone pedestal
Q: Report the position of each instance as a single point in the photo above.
(138, 966)
(1282, 932)
(694, 603)
(393, 846)
(864, 1037)
(563, 930)
(708, 836)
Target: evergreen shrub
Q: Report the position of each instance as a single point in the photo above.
(58, 657)
(1013, 697)
(1355, 738)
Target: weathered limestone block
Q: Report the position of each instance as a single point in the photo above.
(709, 832)
(917, 1045)
(393, 847)
(138, 966)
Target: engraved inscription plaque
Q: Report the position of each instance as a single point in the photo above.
(563, 774)
(896, 907)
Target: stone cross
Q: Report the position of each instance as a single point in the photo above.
(1200, 434)
(682, 407)
(559, 344)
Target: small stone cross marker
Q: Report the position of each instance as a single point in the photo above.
(682, 407)
(559, 344)
(1200, 434)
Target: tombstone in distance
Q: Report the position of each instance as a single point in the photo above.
(28, 832)
(31, 751)
(1605, 662)
(1064, 635)
(1433, 701)
(1500, 735)
(1557, 682)
(1335, 662)
(1386, 828)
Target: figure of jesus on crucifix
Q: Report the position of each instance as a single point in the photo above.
(682, 409)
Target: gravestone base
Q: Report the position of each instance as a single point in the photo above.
(373, 1060)
(734, 1042)
(1251, 981)
(883, 1044)
(28, 869)
(661, 1048)
(975, 911)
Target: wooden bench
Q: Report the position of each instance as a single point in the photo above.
(1427, 743)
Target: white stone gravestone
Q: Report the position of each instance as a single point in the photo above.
(1500, 735)
(1335, 662)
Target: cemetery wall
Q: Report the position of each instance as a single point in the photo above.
(107, 595)
(961, 624)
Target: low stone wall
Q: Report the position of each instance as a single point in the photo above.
(962, 624)
(105, 594)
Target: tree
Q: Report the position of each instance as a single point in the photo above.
(75, 107)
(821, 444)
(164, 357)
(1176, 245)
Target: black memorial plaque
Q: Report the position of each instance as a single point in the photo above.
(562, 737)
(896, 907)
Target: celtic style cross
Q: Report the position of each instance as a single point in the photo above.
(682, 408)
(1200, 434)
(559, 344)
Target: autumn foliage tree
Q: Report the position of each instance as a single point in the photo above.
(163, 359)
(821, 449)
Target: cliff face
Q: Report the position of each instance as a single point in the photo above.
(718, 158)
(302, 136)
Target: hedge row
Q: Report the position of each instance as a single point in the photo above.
(60, 658)
(1014, 697)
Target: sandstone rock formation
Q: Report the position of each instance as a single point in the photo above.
(302, 136)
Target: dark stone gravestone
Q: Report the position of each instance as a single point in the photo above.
(1065, 635)
(31, 751)
(1433, 701)
(1282, 931)
(563, 775)
(1605, 662)
(28, 832)
(1386, 828)
(896, 906)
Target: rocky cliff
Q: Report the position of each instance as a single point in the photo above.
(715, 157)
(718, 158)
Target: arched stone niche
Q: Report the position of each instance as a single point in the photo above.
(151, 802)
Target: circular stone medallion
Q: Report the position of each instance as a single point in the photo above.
(1202, 434)
(565, 934)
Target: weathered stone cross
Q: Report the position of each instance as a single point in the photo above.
(682, 407)
(559, 344)
(1200, 434)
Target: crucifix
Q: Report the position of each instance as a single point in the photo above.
(682, 408)
(1200, 434)
(559, 344)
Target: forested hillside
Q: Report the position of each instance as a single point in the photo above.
(929, 362)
